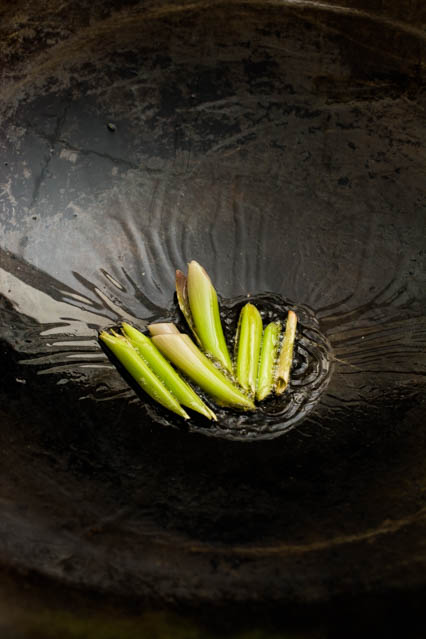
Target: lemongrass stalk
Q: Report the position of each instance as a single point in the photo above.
(165, 372)
(141, 373)
(205, 314)
(183, 301)
(249, 336)
(163, 327)
(285, 359)
(184, 354)
(268, 358)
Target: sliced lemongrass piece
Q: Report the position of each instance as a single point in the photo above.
(183, 301)
(249, 337)
(165, 372)
(163, 327)
(285, 359)
(205, 314)
(141, 373)
(184, 354)
(268, 358)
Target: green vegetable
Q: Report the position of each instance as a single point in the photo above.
(160, 328)
(268, 358)
(204, 308)
(249, 336)
(141, 373)
(165, 372)
(285, 359)
(184, 354)
(262, 364)
(183, 301)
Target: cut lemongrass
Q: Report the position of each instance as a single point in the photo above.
(268, 357)
(249, 336)
(184, 354)
(183, 301)
(165, 372)
(205, 315)
(141, 372)
(285, 359)
(163, 327)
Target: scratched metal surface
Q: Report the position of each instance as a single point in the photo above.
(280, 144)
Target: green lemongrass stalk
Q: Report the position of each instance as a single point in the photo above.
(285, 359)
(249, 336)
(165, 372)
(184, 354)
(141, 373)
(183, 301)
(205, 314)
(268, 358)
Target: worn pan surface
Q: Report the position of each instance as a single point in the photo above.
(281, 145)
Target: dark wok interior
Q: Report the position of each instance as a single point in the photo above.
(281, 145)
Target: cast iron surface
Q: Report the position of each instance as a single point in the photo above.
(281, 146)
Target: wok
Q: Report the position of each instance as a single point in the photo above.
(281, 145)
